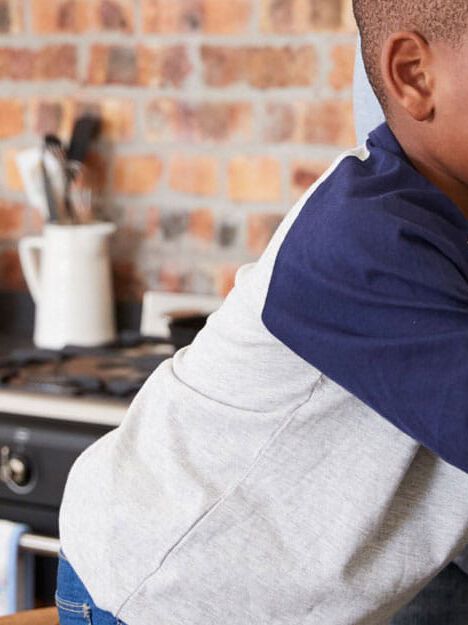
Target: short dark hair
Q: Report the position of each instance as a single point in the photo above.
(435, 20)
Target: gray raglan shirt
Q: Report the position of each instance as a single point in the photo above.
(247, 485)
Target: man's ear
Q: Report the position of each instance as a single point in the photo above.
(408, 74)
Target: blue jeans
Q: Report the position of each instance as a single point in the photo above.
(444, 601)
(74, 603)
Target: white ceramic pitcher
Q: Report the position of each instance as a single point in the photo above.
(69, 275)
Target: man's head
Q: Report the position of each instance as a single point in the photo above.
(435, 20)
(416, 57)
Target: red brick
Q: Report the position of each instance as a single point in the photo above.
(279, 121)
(163, 66)
(326, 14)
(55, 16)
(11, 118)
(255, 179)
(113, 64)
(260, 229)
(79, 16)
(136, 175)
(228, 232)
(279, 16)
(56, 115)
(328, 122)
(117, 114)
(303, 16)
(48, 117)
(202, 225)
(47, 63)
(16, 64)
(304, 173)
(223, 65)
(13, 178)
(283, 67)
(172, 16)
(170, 279)
(149, 66)
(54, 62)
(208, 16)
(11, 219)
(52, 115)
(341, 75)
(152, 222)
(261, 67)
(116, 15)
(11, 274)
(174, 223)
(11, 16)
(169, 120)
(197, 175)
(226, 17)
(127, 219)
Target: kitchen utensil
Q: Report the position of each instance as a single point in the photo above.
(29, 163)
(53, 147)
(86, 129)
(68, 273)
(48, 188)
(81, 198)
(29, 166)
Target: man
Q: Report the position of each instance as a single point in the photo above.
(305, 459)
(444, 601)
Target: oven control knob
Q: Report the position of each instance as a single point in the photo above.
(19, 470)
(13, 468)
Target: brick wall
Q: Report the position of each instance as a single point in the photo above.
(217, 115)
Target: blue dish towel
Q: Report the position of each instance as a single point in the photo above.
(16, 570)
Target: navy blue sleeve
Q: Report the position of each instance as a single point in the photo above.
(376, 297)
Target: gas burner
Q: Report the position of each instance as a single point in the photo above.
(116, 370)
(31, 356)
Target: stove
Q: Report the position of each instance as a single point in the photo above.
(53, 405)
(115, 371)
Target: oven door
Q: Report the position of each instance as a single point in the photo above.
(36, 455)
